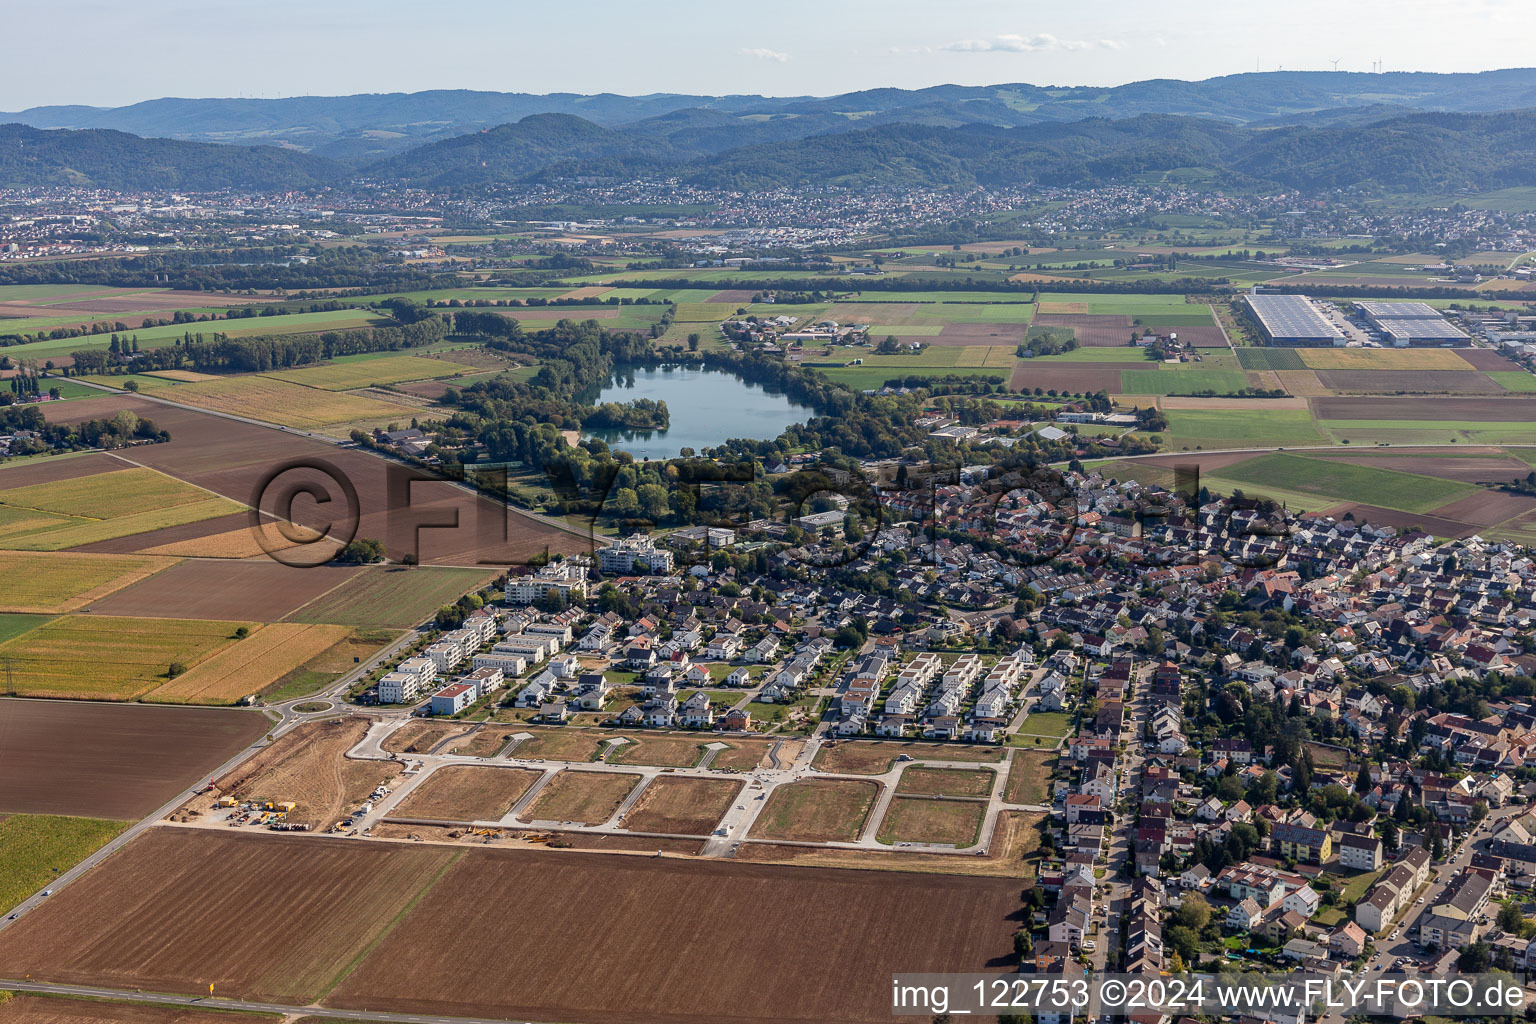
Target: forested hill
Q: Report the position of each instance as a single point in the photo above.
(364, 128)
(116, 160)
(1414, 153)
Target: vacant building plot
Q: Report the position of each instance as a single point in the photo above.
(931, 820)
(281, 919)
(875, 757)
(579, 797)
(392, 596)
(1405, 359)
(100, 658)
(424, 735)
(252, 666)
(35, 847)
(817, 811)
(659, 751)
(863, 921)
(682, 806)
(561, 744)
(485, 741)
(25, 1008)
(136, 759)
(258, 589)
(1429, 382)
(308, 765)
(745, 755)
(63, 513)
(55, 582)
(467, 793)
(347, 374)
(919, 781)
(1029, 777)
(279, 401)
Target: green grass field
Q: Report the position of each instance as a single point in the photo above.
(1514, 380)
(37, 848)
(13, 624)
(1239, 428)
(1334, 480)
(362, 373)
(395, 596)
(100, 657)
(1181, 380)
(1270, 359)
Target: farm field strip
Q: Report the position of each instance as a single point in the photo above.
(345, 376)
(108, 657)
(283, 402)
(249, 666)
(63, 581)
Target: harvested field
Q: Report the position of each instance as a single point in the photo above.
(467, 793)
(561, 744)
(1070, 377)
(817, 811)
(1302, 383)
(232, 458)
(1486, 508)
(1381, 359)
(1197, 336)
(97, 657)
(565, 902)
(1009, 335)
(1486, 359)
(257, 589)
(281, 918)
(682, 806)
(279, 401)
(137, 760)
(362, 373)
(875, 757)
(1029, 777)
(1429, 382)
(55, 582)
(917, 781)
(659, 751)
(66, 512)
(1438, 408)
(1378, 516)
(1077, 320)
(927, 820)
(251, 666)
(26, 1008)
(399, 596)
(237, 543)
(308, 766)
(586, 798)
(184, 376)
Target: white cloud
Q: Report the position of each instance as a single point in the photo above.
(1042, 42)
(764, 54)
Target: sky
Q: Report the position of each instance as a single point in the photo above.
(111, 53)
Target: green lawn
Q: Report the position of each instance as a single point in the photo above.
(1046, 723)
(37, 848)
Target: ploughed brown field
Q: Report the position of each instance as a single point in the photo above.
(231, 458)
(286, 918)
(682, 806)
(1072, 377)
(1427, 407)
(466, 793)
(720, 941)
(118, 761)
(260, 589)
(257, 916)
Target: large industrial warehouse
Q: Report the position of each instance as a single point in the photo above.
(1293, 320)
(1408, 323)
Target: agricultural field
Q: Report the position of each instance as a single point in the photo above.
(67, 512)
(137, 760)
(467, 793)
(98, 657)
(875, 757)
(55, 582)
(13, 624)
(261, 589)
(682, 806)
(33, 847)
(346, 374)
(288, 404)
(586, 798)
(1258, 426)
(1324, 481)
(250, 666)
(252, 943)
(934, 821)
(27, 1008)
(400, 596)
(817, 810)
(919, 781)
(158, 337)
(308, 766)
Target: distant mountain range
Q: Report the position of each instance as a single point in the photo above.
(1247, 129)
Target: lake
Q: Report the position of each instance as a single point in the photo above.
(707, 408)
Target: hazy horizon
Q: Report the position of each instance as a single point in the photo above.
(238, 49)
